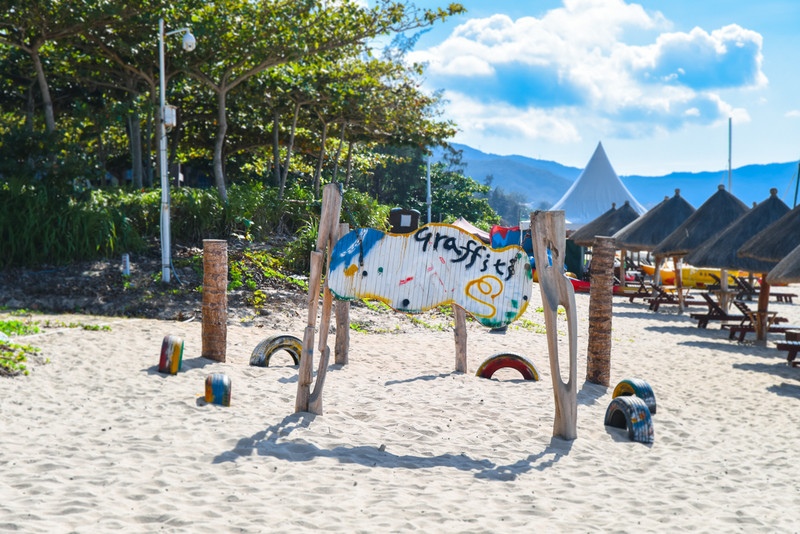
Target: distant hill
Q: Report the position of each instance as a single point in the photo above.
(547, 181)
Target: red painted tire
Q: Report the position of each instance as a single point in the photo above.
(507, 359)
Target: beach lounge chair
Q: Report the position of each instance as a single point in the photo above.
(751, 291)
(664, 297)
(777, 324)
(715, 313)
(792, 347)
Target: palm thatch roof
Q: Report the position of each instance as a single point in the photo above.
(710, 219)
(651, 228)
(721, 251)
(776, 241)
(788, 269)
(606, 225)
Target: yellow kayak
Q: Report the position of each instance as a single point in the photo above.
(690, 276)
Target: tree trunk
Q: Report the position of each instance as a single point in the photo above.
(135, 138)
(289, 148)
(349, 164)
(148, 149)
(29, 111)
(318, 173)
(762, 323)
(222, 128)
(49, 116)
(338, 154)
(276, 149)
(598, 363)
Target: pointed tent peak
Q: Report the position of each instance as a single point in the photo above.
(773, 192)
(613, 205)
(677, 192)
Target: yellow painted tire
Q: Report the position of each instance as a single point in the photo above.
(638, 388)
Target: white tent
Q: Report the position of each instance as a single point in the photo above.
(593, 193)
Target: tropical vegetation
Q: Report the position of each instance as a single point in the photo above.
(278, 98)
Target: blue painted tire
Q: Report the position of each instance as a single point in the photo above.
(631, 413)
(269, 346)
(507, 359)
(638, 388)
(218, 389)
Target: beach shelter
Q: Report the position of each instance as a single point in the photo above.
(710, 219)
(776, 241)
(788, 269)
(597, 187)
(721, 251)
(467, 226)
(606, 225)
(654, 226)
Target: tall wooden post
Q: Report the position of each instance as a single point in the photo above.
(678, 282)
(215, 299)
(342, 312)
(762, 319)
(460, 334)
(308, 400)
(598, 364)
(549, 233)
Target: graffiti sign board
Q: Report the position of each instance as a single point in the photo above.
(436, 265)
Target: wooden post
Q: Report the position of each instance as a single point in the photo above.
(657, 275)
(678, 282)
(549, 233)
(460, 333)
(598, 363)
(724, 302)
(215, 299)
(307, 400)
(762, 323)
(342, 311)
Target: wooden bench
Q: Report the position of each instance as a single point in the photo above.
(793, 347)
(663, 297)
(742, 329)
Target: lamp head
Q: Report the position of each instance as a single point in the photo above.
(189, 42)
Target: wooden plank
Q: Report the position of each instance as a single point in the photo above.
(460, 333)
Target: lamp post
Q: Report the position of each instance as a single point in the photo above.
(188, 44)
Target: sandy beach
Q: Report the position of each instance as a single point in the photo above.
(97, 440)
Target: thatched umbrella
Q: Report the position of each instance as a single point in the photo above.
(721, 250)
(776, 241)
(657, 223)
(788, 269)
(606, 224)
(710, 219)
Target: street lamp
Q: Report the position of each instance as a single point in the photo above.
(189, 44)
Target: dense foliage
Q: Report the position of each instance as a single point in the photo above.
(278, 98)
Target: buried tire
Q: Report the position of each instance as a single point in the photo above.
(507, 359)
(269, 346)
(639, 388)
(631, 413)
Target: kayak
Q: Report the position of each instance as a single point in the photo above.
(690, 276)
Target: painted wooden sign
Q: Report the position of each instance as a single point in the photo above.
(436, 265)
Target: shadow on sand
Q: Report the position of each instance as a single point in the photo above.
(266, 443)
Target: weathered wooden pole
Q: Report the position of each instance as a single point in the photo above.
(328, 233)
(215, 299)
(342, 311)
(678, 282)
(549, 234)
(460, 334)
(598, 363)
(762, 319)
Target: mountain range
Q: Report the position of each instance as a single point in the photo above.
(543, 182)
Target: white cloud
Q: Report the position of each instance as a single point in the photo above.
(574, 64)
(794, 114)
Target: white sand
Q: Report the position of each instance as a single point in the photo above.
(99, 441)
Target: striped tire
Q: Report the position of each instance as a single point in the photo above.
(269, 346)
(638, 388)
(171, 355)
(218, 389)
(507, 359)
(632, 413)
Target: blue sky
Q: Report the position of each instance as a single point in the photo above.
(655, 81)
